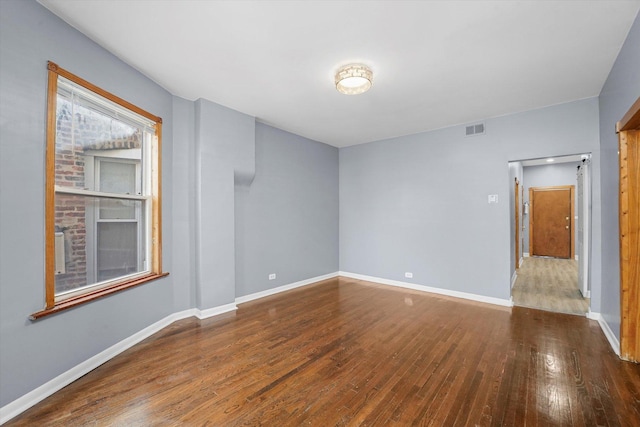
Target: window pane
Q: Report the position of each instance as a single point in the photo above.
(81, 135)
(91, 249)
(70, 221)
(117, 209)
(117, 249)
(117, 177)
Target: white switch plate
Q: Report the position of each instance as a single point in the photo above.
(272, 276)
(408, 275)
(493, 198)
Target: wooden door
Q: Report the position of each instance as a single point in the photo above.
(629, 198)
(551, 221)
(517, 221)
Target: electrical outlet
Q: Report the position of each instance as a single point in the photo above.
(272, 276)
(408, 275)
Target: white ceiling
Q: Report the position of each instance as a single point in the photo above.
(435, 63)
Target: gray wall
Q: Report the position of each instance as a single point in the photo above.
(620, 91)
(32, 353)
(183, 269)
(225, 156)
(546, 176)
(419, 203)
(209, 159)
(287, 220)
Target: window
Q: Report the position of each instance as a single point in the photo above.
(103, 229)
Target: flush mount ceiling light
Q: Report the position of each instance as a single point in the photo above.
(354, 79)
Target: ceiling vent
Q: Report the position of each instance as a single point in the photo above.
(475, 129)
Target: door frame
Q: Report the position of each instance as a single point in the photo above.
(628, 129)
(572, 217)
(584, 220)
(517, 211)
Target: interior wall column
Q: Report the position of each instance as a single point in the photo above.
(225, 157)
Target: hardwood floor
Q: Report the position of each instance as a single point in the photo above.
(549, 284)
(347, 352)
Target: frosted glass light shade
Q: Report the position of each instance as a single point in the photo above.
(354, 79)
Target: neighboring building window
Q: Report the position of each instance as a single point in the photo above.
(102, 195)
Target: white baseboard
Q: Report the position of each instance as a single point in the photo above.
(514, 277)
(283, 288)
(521, 261)
(203, 314)
(440, 291)
(613, 341)
(47, 389)
(525, 254)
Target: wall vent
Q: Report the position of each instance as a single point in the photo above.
(474, 129)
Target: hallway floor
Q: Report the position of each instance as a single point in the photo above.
(549, 284)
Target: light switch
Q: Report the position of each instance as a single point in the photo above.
(493, 198)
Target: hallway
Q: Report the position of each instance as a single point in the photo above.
(549, 284)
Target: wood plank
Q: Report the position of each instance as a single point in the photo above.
(349, 352)
(631, 119)
(630, 243)
(50, 204)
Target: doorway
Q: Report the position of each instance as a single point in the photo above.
(517, 219)
(553, 270)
